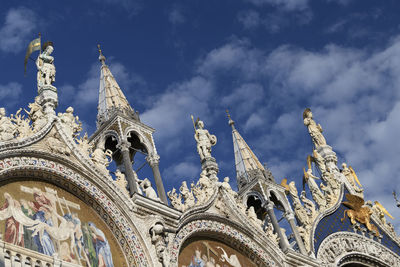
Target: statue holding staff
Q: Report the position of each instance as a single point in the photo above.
(45, 64)
(204, 139)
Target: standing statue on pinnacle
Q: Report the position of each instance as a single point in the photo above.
(314, 129)
(45, 64)
(204, 140)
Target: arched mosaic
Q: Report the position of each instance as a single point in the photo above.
(122, 230)
(237, 239)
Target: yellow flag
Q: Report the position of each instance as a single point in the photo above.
(33, 46)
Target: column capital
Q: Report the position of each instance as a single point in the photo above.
(153, 159)
(124, 145)
(269, 205)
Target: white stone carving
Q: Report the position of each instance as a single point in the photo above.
(227, 187)
(315, 191)
(314, 129)
(176, 199)
(56, 145)
(158, 239)
(71, 123)
(148, 189)
(22, 124)
(8, 130)
(46, 70)
(350, 177)
(37, 116)
(204, 141)
(121, 181)
(251, 214)
(84, 145)
(102, 159)
(187, 196)
(338, 245)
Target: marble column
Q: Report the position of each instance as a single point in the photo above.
(126, 159)
(153, 161)
(284, 243)
(290, 218)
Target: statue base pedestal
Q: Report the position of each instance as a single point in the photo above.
(48, 98)
(330, 157)
(209, 167)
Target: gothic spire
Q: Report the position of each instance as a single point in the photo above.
(247, 164)
(111, 97)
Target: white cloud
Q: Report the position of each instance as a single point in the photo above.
(250, 19)
(175, 16)
(170, 113)
(11, 91)
(187, 171)
(18, 29)
(289, 5)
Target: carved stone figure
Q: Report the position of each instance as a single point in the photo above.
(204, 141)
(309, 206)
(72, 125)
(225, 185)
(299, 210)
(137, 181)
(84, 145)
(380, 211)
(269, 230)
(314, 129)
(320, 161)
(55, 145)
(22, 124)
(176, 200)
(45, 64)
(187, 196)
(315, 191)
(102, 159)
(7, 128)
(251, 214)
(359, 212)
(148, 189)
(158, 239)
(351, 176)
(36, 115)
(121, 181)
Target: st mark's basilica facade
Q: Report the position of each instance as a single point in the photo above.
(59, 205)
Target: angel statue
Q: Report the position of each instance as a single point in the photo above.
(314, 129)
(45, 64)
(351, 176)
(381, 212)
(204, 140)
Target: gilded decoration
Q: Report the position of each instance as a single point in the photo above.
(212, 253)
(358, 212)
(46, 219)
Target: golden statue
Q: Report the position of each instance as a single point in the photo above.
(359, 212)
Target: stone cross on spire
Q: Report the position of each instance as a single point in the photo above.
(111, 97)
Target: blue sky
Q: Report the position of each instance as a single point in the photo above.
(265, 60)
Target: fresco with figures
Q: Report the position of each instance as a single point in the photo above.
(210, 253)
(44, 218)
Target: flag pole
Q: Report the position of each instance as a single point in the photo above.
(40, 40)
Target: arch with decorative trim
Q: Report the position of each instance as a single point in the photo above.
(123, 228)
(224, 233)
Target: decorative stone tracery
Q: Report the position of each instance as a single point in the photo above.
(339, 245)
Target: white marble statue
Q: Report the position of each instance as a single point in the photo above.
(187, 196)
(7, 128)
(351, 176)
(315, 190)
(251, 214)
(204, 141)
(72, 125)
(84, 145)
(314, 129)
(45, 64)
(299, 210)
(148, 189)
(121, 181)
(176, 199)
(36, 115)
(225, 185)
(22, 124)
(137, 181)
(102, 159)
